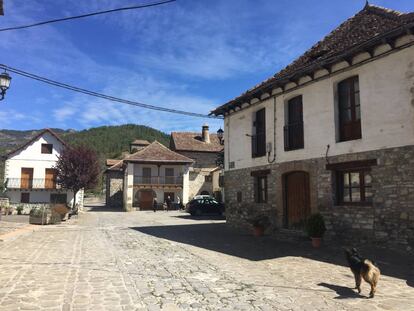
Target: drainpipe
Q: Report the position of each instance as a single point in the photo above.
(274, 133)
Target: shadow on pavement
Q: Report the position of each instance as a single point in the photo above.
(219, 237)
(203, 217)
(101, 208)
(342, 291)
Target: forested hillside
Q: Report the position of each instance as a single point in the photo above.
(107, 141)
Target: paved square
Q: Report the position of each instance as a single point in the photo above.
(169, 261)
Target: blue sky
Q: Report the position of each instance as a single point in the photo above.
(191, 55)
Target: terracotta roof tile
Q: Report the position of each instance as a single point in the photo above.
(111, 162)
(156, 152)
(366, 25)
(190, 141)
(140, 142)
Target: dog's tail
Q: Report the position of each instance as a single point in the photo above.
(370, 271)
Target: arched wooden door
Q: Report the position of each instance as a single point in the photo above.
(297, 202)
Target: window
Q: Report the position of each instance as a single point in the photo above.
(354, 187)
(47, 148)
(208, 178)
(259, 138)
(260, 189)
(349, 109)
(239, 196)
(25, 197)
(221, 181)
(146, 175)
(293, 130)
(169, 175)
(58, 198)
(232, 164)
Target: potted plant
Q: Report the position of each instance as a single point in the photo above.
(260, 223)
(315, 227)
(19, 209)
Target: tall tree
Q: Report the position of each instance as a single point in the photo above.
(77, 168)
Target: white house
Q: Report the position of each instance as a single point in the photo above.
(153, 172)
(30, 176)
(333, 132)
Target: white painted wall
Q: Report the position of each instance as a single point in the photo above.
(32, 157)
(387, 113)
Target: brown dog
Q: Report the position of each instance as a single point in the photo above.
(363, 269)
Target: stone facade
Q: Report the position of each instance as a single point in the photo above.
(390, 218)
(201, 159)
(114, 188)
(198, 183)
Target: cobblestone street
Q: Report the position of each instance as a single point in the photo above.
(169, 261)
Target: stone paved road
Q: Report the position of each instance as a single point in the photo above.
(168, 261)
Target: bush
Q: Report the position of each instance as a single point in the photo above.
(19, 209)
(315, 226)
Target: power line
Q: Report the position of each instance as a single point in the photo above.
(103, 96)
(86, 15)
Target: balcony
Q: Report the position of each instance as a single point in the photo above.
(31, 183)
(293, 136)
(158, 180)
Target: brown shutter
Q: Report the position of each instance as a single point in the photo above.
(259, 139)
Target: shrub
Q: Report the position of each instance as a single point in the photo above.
(19, 209)
(315, 226)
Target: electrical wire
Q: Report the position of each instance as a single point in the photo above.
(86, 15)
(103, 96)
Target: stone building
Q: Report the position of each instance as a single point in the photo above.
(152, 172)
(203, 148)
(333, 133)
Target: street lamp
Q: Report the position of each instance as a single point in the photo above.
(220, 135)
(4, 84)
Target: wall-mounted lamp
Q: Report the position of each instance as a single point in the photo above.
(220, 134)
(5, 80)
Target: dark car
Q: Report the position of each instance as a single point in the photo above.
(202, 206)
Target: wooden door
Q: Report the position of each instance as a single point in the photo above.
(145, 200)
(26, 178)
(297, 202)
(50, 178)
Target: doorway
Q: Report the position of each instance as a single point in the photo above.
(296, 199)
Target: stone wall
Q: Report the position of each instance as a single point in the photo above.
(114, 189)
(390, 218)
(197, 183)
(202, 159)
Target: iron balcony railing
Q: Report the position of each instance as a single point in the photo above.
(293, 136)
(158, 180)
(31, 183)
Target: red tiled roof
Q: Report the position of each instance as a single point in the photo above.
(156, 152)
(370, 23)
(111, 162)
(117, 166)
(140, 142)
(34, 139)
(189, 141)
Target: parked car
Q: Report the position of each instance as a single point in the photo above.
(204, 206)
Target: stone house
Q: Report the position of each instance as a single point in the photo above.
(333, 133)
(203, 148)
(152, 172)
(30, 177)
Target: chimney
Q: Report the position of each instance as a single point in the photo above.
(204, 134)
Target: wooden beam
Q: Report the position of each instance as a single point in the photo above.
(348, 60)
(389, 41)
(351, 165)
